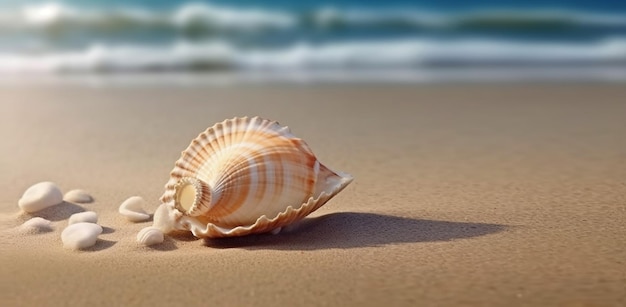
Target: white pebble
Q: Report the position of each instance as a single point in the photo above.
(87, 217)
(78, 196)
(36, 225)
(150, 236)
(132, 209)
(40, 196)
(80, 235)
(162, 219)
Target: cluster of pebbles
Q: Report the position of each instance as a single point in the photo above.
(83, 230)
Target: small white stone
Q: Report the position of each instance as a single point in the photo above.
(40, 196)
(162, 219)
(78, 196)
(36, 225)
(80, 235)
(132, 209)
(87, 217)
(150, 236)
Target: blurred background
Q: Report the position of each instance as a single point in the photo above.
(316, 41)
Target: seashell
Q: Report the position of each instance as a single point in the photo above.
(78, 196)
(164, 218)
(40, 196)
(132, 209)
(80, 235)
(36, 225)
(244, 176)
(87, 217)
(150, 236)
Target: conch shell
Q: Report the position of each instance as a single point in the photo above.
(244, 176)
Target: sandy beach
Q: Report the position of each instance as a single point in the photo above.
(464, 195)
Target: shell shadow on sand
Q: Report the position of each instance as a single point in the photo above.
(59, 212)
(169, 244)
(100, 245)
(354, 229)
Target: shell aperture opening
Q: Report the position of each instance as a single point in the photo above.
(192, 196)
(187, 197)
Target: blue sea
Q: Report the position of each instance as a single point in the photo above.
(338, 40)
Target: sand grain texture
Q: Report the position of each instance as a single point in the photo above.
(463, 195)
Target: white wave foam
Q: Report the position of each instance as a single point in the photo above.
(47, 13)
(328, 16)
(190, 14)
(230, 18)
(546, 16)
(184, 56)
(250, 19)
(119, 58)
(430, 53)
(423, 18)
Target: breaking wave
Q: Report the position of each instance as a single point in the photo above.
(203, 16)
(383, 54)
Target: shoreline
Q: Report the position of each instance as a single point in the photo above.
(473, 76)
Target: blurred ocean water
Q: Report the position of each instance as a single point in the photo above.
(389, 40)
